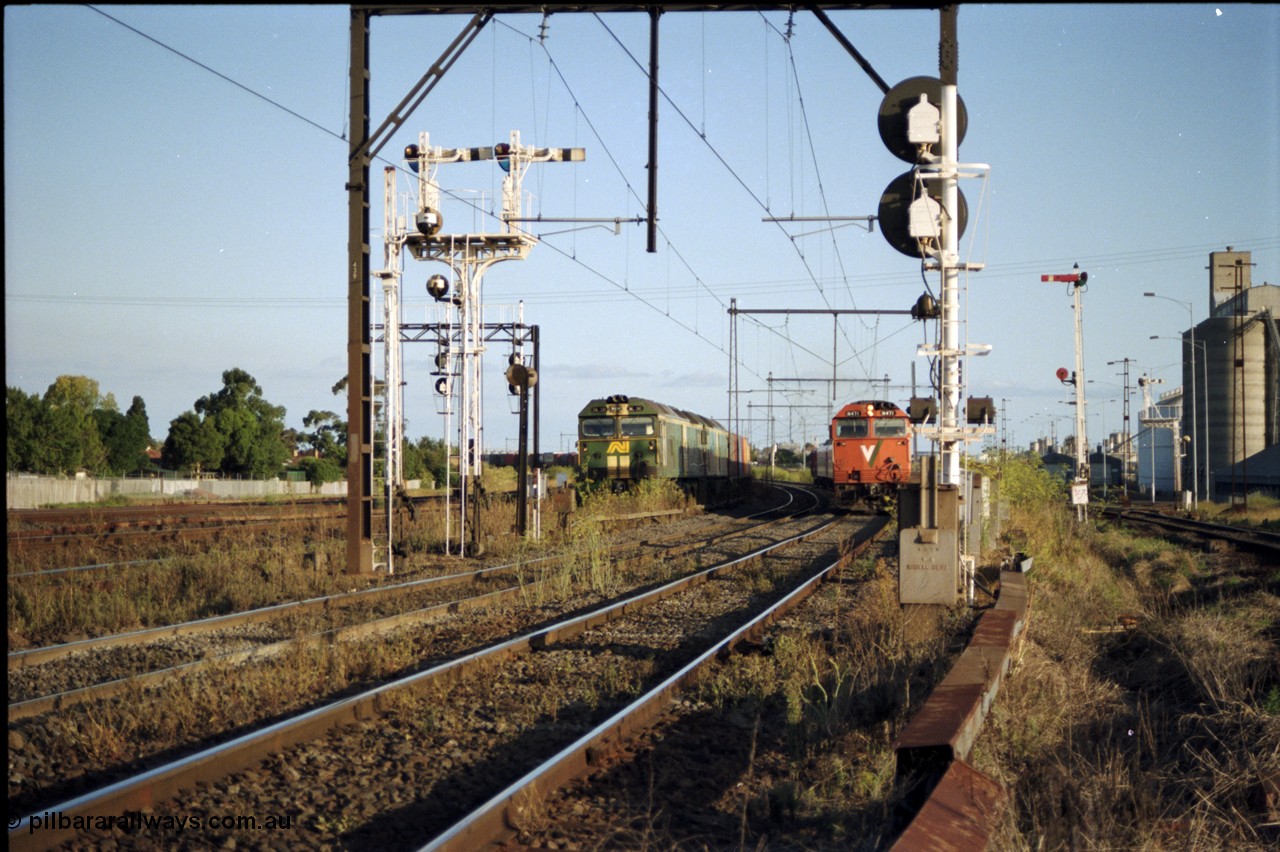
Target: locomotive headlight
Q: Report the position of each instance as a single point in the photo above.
(653, 445)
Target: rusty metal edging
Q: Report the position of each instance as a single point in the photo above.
(963, 804)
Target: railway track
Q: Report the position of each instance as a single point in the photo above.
(1261, 542)
(433, 645)
(543, 638)
(109, 665)
(346, 743)
(33, 532)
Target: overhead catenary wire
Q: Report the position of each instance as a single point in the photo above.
(257, 302)
(812, 277)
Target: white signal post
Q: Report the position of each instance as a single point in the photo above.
(1077, 280)
(470, 256)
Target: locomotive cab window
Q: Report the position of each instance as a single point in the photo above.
(637, 427)
(851, 427)
(891, 427)
(597, 427)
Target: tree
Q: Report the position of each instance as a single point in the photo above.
(251, 428)
(194, 443)
(320, 471)
(125, 436)
(68, 431)
(786, 457)
(425, 459)
(22, 414)
(328, 435)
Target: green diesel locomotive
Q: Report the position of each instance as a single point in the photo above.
(624, 439)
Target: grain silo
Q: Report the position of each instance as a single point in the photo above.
(1237, 363)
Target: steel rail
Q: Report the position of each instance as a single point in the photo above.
(165, 782)
(494, 820)
(1259, 541)
(34, 656)
(73, 697)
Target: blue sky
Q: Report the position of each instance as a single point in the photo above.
(164, 224)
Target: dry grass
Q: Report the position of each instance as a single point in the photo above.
(198, 583)
(1156, 737)
(825, 706)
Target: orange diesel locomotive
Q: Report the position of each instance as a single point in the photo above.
(869, 454)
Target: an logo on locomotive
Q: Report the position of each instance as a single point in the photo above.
(619, 447)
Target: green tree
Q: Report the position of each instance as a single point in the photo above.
(320, 471)
(23, 413)
(328, 435)
(194, 443)
(425, 459)
(125, 436)
(68, 437)
(252, 428)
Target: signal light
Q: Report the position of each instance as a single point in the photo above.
(921, 409)
(910, 211)
(520, 376)
(980, 409)
(438, 287)
(429, 222)
(442, 386)
(906, 111)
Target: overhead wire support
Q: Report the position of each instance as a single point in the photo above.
(848, 46)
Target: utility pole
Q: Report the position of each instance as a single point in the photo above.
(1080, 491)
(1128, 436)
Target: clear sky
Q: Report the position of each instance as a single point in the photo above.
(174, 201)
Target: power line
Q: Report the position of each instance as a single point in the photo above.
(219, 74)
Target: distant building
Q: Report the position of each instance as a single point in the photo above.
(1060, 465)
(1234, 367)
(1154, 456)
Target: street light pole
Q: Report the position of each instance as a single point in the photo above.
(1195, 439)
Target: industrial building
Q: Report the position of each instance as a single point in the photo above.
(1232, 360)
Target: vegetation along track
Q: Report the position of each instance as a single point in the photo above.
(135, 729)
(56, 676)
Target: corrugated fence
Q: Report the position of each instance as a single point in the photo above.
(24, 491)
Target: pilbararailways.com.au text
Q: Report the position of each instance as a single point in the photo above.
(136, 821)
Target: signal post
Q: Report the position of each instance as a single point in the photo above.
(923, 214)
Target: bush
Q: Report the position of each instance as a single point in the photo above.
(320, 471)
